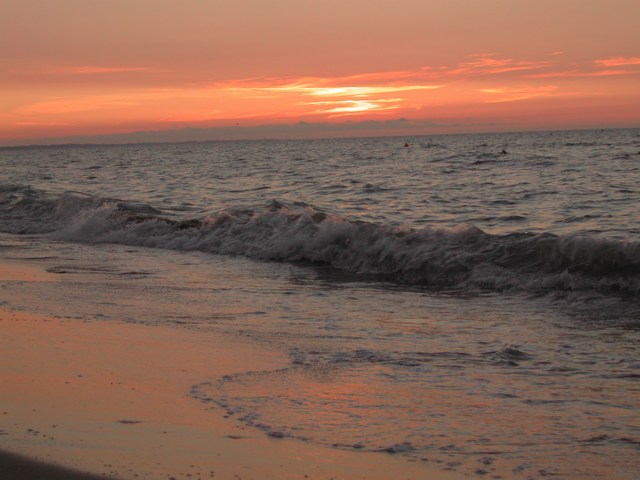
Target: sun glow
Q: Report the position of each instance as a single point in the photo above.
(490, 89)
(337, 100)
(358, 91)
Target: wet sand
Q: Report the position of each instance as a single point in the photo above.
(112, 399)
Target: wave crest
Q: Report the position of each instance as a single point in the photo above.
(464, 257)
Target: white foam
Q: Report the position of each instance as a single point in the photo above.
(463, 257)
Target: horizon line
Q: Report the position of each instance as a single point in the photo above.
(284, 137)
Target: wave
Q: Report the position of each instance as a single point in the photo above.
(461, 258)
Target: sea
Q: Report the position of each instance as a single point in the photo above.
(467, 301)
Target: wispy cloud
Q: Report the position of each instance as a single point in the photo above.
(353, 106)
(30, 72)
(341, 96)
(346, 91)
(59, 106)
(618, 61)
(490, 64)
(509, 94)
(577, 73)
(109, 94)
(41, 124)
(95, 70)
(337, 108)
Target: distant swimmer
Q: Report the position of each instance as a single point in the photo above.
(406, 145)
(503, 152)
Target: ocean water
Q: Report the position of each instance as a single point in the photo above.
(468, 301)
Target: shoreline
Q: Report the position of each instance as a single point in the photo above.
(112, 399)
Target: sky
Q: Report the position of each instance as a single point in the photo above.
(137, 70)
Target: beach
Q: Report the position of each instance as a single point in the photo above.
(331, 308)
(361, 240)
(111, 399)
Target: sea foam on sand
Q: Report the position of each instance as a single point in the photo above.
(112, 398)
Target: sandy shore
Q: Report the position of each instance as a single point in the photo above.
(112, 399)
(17, 467)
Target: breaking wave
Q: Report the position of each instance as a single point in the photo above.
(462, 258)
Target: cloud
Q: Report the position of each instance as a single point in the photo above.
(618, 61)
(488, 64)
(59, 106)
(577, 73)
(507, 94)
(331, 88)
(95, 70)
(103, 102)
(338, 96)
(42, 124)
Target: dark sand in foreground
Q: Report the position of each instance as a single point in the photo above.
(16, 467)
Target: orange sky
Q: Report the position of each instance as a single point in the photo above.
(281, 68)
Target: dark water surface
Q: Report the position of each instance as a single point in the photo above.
(470, 301)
